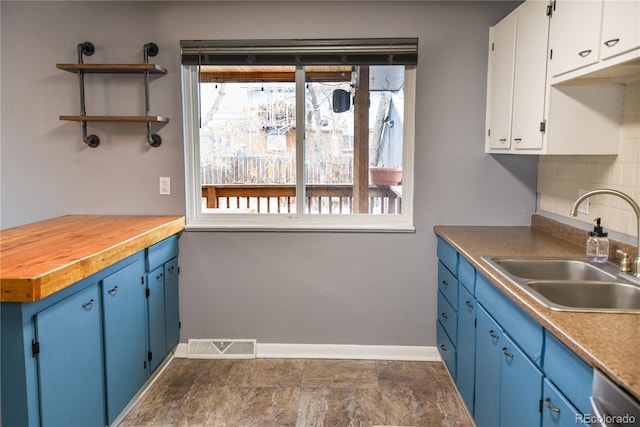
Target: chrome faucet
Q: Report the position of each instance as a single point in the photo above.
(626, 198)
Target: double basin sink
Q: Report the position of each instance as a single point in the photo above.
(572, 284)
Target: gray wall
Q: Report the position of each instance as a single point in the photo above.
(342, 288)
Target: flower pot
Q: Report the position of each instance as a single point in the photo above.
(381, 175)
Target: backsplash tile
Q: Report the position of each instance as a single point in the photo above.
(560, 177)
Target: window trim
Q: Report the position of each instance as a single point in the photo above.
(196, 220)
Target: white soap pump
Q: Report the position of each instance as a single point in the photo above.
(597, 244)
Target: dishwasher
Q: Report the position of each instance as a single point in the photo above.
(611, 405)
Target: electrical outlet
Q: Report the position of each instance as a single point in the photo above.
(583, 208)
(165, 185)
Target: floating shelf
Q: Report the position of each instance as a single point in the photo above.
(113, 68)
(145, 69)
(157, 119)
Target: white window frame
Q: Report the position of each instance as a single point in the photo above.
(196, 219)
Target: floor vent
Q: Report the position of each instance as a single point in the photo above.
(221, 349)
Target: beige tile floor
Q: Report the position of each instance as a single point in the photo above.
(301, 393)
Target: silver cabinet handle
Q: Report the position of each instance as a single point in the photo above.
(113, 290)
(503, 140)
(506, 353)
(611, 43)
(584, 53)
(468, 304)
(493, 335)
(444, 316)
(88, 304)
(517, 140)
(547, 403)
(443, 347)
(159, 276)
(445, 283)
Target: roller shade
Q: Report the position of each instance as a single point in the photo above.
(388, 51)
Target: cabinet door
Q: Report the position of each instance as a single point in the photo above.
(557, 411)
(500, 83)
(171, 305)
(466, 346)
(488, 359)
(70, 364)
(521, 387)
(620, 27)
(156, 313)
(574, 37)
(125, 323)
(530, 74)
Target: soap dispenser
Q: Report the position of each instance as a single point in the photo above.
(597, 244)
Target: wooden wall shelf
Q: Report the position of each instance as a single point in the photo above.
(146, 69)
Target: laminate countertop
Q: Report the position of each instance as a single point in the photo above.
(609, 342)
(42, 258)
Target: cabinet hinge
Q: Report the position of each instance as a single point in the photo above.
(488, 132)
(543, 126)
(178, 270)
(550, 53)
(142, 280)
(144, 364)
(475, 323)
(147, 292)
(550, 9)
(149, 356)
(540, 405)
(179, 325)
(35, 348)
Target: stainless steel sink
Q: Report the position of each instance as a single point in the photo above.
(601, 295)
(572, 284)
(553, 269)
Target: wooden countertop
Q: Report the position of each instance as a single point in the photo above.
(607, 341)
(39, 259)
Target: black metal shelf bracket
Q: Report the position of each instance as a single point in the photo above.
(150, 49)
(85, 48)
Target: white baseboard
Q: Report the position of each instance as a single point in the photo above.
(338, 351)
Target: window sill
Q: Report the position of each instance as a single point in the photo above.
(388, 228)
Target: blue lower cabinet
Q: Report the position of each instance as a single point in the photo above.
(447, 350)
(125, 324)
(520, 387)
(156, 316)
(70, 364)
(489, 343)
(466, 347)
(171, 306)
(557, 411)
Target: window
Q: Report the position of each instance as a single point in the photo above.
(302, 134)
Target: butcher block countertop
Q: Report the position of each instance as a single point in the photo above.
(607, 341)
(40, 259)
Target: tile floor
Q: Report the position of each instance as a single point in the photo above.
(301, 393)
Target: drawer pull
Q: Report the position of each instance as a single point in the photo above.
(113, 290)
(171, 269)
(503, 140)
(611, 43)
(584, 53)
(445, 283)
(506, 353)
(444, 316)
(547, 403)
(88, 304)
(493, 335)
(517, 140)
(443, 347)
(159, 276)
(469, 304)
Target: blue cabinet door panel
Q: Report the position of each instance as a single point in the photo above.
(488, 351)
(156, 317)
(172, 314)
(70, 363)
(511, 318)
(447, 350)
(448, 256)
(466, 347)
(521, 387)
(125, 325)
(448, 285)
(572, 375)
(557, 411)
(448, 318)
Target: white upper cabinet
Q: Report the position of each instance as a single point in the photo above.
(517, 79)
(620, 27)
(574, 38)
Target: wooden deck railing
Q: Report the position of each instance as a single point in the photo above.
(320, 198)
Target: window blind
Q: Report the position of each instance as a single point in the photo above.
(376, 51)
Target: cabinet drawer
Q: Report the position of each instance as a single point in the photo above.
(448, 285)
(447, 350)
(161, 252)
(557, 411)
(519, 325)
(447, 317)
(567, 371)
(448, 256)
(467, 275)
